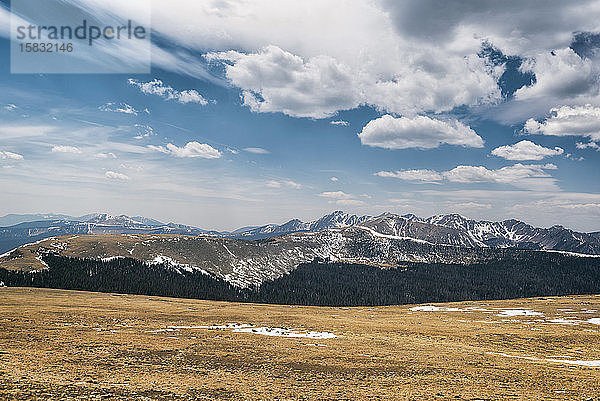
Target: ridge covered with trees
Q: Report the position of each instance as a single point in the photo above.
(525, 274)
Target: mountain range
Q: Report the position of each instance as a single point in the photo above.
(449, 229)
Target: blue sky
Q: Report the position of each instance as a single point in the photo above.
(263, 111)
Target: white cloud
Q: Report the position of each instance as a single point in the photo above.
(157, 87)
(404, 57)
(341, 198)
(568, 121)
(274, 80)
(426, 176)
(560, 74)
(10, 107)
(116, 176)
(335, 195)
(472, 205)
(334, 179)
(65, 149)
(419, 132)
(283, 183)
(191, 149)
(277, 80)
(525, 150)
(10, 155)
(106, 155)
(258, 151)
(339, 122)
(349, 202)
(144, 131)
(590, 145)
(529, 176)
(505, 175)
(119, 108)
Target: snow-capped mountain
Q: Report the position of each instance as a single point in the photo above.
(450, 229)
(336, 219)
(515, 233)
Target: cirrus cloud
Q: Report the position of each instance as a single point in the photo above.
(10, 155)
(257, 151)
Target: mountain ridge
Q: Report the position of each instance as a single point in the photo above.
(448, 229)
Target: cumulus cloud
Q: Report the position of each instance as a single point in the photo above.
(5, 155)
(65, 149)
(334, 179)
(521, 175)
(257, 151)
(560, 74)
(112, 175)
(403, 57)
(581, 121)
(277, 80)
(419, 132)
(525, 150)
(157, 87)
(119, 108)
(191, 149)
(505, 175)
(274, 80)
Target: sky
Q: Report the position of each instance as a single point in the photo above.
(258, 112)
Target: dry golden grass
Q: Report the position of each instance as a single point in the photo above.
(57, 344)
(82, 246)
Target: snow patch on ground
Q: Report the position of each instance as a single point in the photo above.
(594, 364)
(433, 308)
(595, 320)
(162, 259)
(108, 259)
(519, 312)
(281, 332)
(248, 328)
(572, 322)
(39, 258)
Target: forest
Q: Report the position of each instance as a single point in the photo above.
(523, 274)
